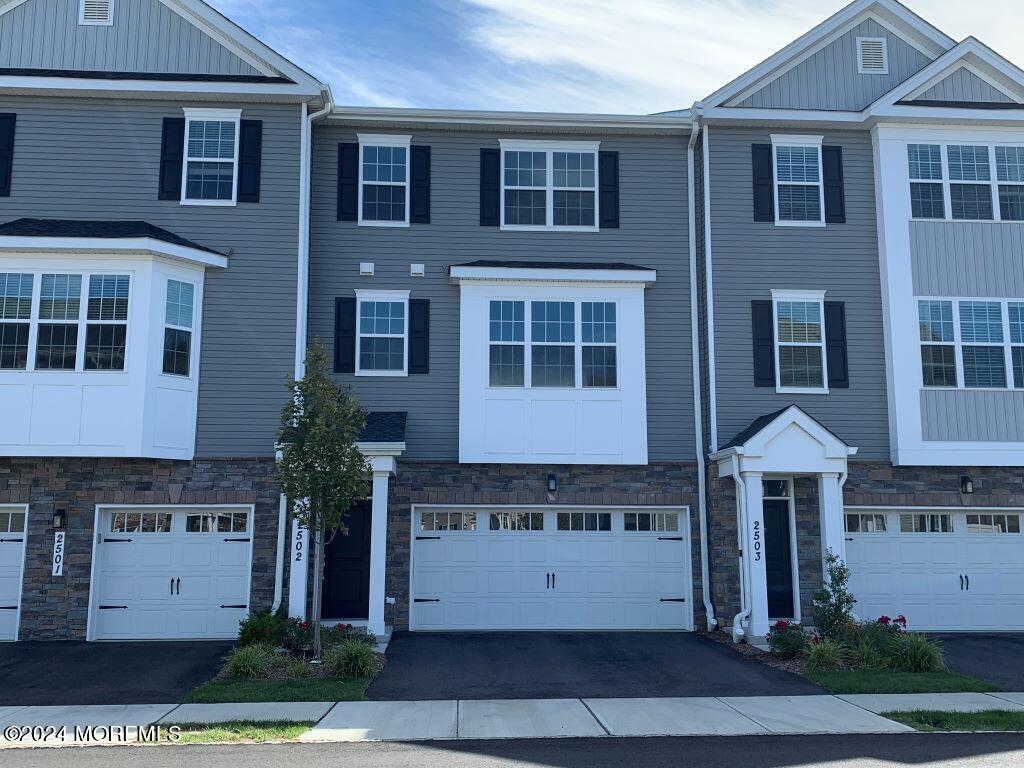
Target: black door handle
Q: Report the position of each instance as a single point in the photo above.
(968, 580)
(961, 582)
(552, 581)
(172, 585)
(178, 587)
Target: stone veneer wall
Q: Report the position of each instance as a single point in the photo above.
(496, 484)
(56, 607)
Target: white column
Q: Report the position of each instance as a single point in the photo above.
(830, 497)
(298, 571)
(383, 467)
(754, 555)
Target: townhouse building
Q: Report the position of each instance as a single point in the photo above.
(621, 372)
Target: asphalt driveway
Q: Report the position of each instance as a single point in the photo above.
(72, 672)
(997, 657)
(527, 665)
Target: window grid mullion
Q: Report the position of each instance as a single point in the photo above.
(961, 380)
(83, 322)
(33, 327)
(527, 344)
(1004, 311)
(993, 182)
(549, 177)
(578, 345)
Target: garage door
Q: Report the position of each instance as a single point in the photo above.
(13, 522)
(517, 568)
(944, 570)
(171, 573)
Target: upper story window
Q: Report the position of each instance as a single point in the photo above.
(549, 185)
(211, 157)
(571, 344)
(799, 192)
(384, 180)
(799, 341)
(382, 337)
(955, 181)
(45, 327)
(978, 344)
(178, 312)
(96, 12)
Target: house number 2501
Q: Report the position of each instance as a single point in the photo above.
(757, 541)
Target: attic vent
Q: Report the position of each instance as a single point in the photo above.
(872, 56)
(95, 12)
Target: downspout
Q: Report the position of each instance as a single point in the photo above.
(301, 301)
(738, 632)
(698, 422)
(709, 298)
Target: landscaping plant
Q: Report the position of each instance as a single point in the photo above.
(833, 603)
(826, 655)
(352, 658)
(787, 640)
(321, 469)
(254, 660)
(264, 626)
(915, 653)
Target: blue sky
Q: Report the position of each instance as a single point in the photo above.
(636, 56)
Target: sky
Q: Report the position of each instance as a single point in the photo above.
(612, 56)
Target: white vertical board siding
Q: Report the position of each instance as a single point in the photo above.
(146, 36)
(100, 159)
(829, 78)
(751, 258)
(972, 415)
(967, 258)
(963, 85)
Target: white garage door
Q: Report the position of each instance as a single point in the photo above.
(13, 523)
(944, 570)
(520, 568)
(171, 573)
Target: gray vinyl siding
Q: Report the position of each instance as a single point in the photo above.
(99, 159)
(963, 85)
(653, 234)
(146, 36)
(750, 258)
(966, 258)
(978, 416)
(702, 283)
(829, 79)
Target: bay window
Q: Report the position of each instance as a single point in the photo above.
(178, 311)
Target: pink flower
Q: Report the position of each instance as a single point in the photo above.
(781, 624)
(884, 620)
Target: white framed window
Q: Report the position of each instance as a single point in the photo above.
(384, 180)
(382, 333)
(179, 310)
(584, 521)
(569, 343)
(955, 181)
(799, 191)
(872, 56)
(800, 363)
(865, 522)
(642, 522)
(140, 522)
(926, 523)
(52, 321)
(210, 174)
(217, 522)
(993, 523)
(96, 12)
(447, 520)
(971, 343)
(517, 521)
(549, 185)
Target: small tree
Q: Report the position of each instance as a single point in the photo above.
(321, 468)
(833, 603)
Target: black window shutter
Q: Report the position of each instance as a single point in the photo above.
(6, 153)
(419, 191)
(608, 178)
(172, 157)
(348, 182)
(490, 187)
(419, 336)
(763, 326)
(764, 178)
(835, 345)
(835, 197)
(345, 335)
(250, 159)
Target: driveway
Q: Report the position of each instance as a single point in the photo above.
(997, 657)
(73, 672)
(527, 665)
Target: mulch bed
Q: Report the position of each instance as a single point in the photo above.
(795, 666)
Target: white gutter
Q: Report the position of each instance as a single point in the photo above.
(282, 518)
(738, 632)
(698, 425)
(709, 298)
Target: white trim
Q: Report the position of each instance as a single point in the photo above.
(108, 22)
(211, 115)
(462, 274)
(860, 56)
(800, 297)
(794, 553)
(24, 557)
(145, 88)
(661, 124)
(815, 142)
(401, 297)
(385, 140)
(548, 149)
(109, 245)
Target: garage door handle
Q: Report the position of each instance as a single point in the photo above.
(112, 607)
(968, 580)
(8, 607)
(670, 538)
(11, 541)
(236, 539)
(961, 582)
(234, 606)
(177, 587)
(116, 541)
(426, 600)
(427, 538)
(172, 585)
(672, 600)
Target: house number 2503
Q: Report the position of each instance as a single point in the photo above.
(757, 541)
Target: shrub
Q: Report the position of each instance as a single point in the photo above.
(833, 603)
(915, 653)
(297, 635)
(263, 627)
(250, 661)
(297, 668)
(788, 640)
(351, 658)
(826, 655)
(340, 633)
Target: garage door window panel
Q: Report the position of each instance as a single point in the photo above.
(217, 522)
(141, 522)
(12, 522)
(448, 521)
(642, 522)
(926, 523)
(517, 521)
(865, 523)
(993, 523)
(584, 521)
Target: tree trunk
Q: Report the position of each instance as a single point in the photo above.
(318, 585)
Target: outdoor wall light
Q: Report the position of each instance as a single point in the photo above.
(966, 484)
(552, 483)
(59, 518)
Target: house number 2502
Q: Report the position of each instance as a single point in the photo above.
(757, 541)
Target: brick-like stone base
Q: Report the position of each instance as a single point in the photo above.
(56, 607)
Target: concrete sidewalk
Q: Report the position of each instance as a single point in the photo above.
(502, 719)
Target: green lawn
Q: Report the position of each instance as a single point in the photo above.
(990, 720)
(243, 730)
(861, 681)
(303, 689)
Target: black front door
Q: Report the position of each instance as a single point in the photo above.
(778, 559)
(347, 568)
